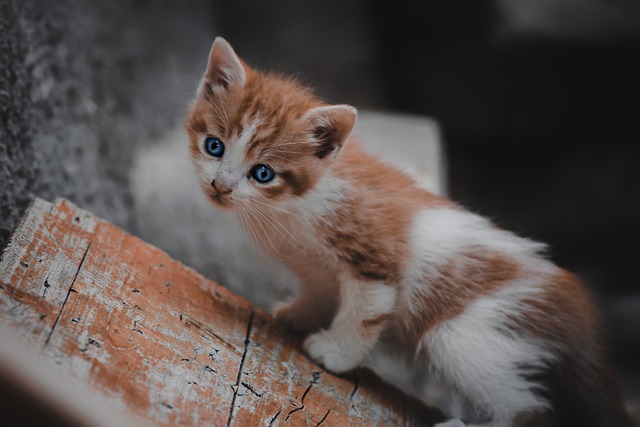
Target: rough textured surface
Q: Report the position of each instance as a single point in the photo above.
(17, 174)
(162, 344)
(81, 85)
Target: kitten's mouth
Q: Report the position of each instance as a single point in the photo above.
(220, 200)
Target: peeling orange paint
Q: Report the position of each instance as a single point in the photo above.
(156, 338)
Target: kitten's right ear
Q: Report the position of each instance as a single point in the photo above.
(330, 126)
(224, 69)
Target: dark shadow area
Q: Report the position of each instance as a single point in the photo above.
(541, 132)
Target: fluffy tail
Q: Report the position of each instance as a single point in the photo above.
(584, 393)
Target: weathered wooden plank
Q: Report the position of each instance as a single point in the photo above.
(157, 340)
(279, 385)
(39, 265)
(148, 331)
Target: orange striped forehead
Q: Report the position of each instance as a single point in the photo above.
(259, 123)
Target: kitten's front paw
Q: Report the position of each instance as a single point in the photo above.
(326, 350)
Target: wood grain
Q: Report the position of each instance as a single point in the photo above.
(157, 340)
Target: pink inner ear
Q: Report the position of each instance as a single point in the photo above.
(224, 68)
(332, 125)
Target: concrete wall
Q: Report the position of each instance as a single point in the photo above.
(82, 84)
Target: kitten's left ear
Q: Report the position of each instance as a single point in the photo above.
(330, 126)
(224, 69)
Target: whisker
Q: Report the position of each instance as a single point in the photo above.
(264, 233)
(279, 228)
(249, 226)
(271, 218)
(280, 209)
(255, 248)
(262, 225)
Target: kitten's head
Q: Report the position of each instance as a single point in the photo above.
(258, 137)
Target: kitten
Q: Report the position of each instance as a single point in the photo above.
(384, 263)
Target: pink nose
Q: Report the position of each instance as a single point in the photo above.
(220, 188)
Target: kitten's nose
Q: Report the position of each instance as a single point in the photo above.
(220, 188)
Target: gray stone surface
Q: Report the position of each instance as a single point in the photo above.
(81, 85)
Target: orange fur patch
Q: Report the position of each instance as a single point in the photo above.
(562, 312)
(463, 280)
(370, 232)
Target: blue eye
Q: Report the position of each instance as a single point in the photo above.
(213, 146)
(262, 173)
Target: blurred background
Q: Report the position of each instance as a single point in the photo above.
(536, 103)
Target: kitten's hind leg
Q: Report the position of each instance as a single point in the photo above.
(363, 314)
(488, 365)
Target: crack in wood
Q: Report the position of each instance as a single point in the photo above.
(301, 407)
(46, 286)
(274, 418)
(323, 418)
(66, 298)
(356, 385)
(242, 361)
(251, 389)
(207, 332)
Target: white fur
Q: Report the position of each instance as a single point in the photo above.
(474, 353)
(343, 347)
(300, 217)
(231, 169)
(477, 354)
(440, 235)
(321, 201)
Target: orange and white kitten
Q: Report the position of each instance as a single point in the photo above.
(381, 261)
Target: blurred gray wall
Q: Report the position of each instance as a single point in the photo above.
(82, 84)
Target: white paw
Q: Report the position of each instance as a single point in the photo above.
(326, 350)
(451, 423)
